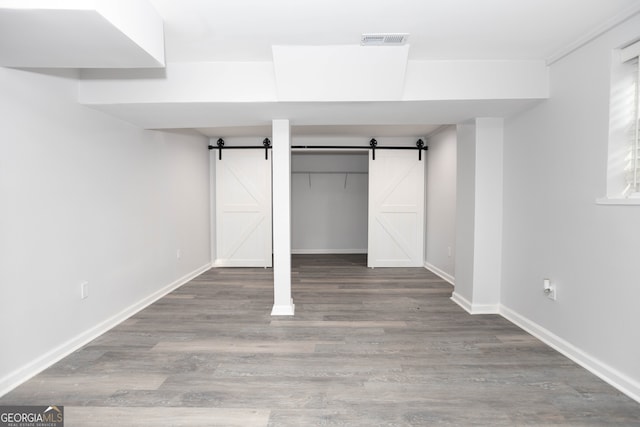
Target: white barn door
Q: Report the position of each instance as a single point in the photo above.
(396, 209)
(243, 209)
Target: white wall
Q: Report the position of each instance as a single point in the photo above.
(85, 197)
(441, 203)
(555, 166)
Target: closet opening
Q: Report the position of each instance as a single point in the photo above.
(329, 202)
(348, 200)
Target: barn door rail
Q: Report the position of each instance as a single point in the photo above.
(266, 146)
(373, 146)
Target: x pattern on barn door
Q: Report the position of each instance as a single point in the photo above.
(396, 210)
(243, 209)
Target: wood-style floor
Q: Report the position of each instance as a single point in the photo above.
(382, 347)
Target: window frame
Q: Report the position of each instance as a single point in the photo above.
(623, 166)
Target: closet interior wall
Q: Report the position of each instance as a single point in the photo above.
(329, 193)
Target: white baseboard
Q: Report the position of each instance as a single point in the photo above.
(461, 301)
(239, 263)
(284, 310)
(471, 308)
(442, 274)
(615, 378)
(328, 251)
(29, 370)
(485, 309)
(622, 382)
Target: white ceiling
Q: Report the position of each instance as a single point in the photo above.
(246, 31)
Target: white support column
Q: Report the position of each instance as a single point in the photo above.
(488, 217)
(479, 216)
(281, 151)
(465, 214)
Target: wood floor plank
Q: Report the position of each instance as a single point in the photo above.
(337, 324)
(367, 347)
(164, 417)
(235, 346)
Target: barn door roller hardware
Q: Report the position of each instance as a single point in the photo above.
(373, 146)
(266, 145)
(220, 144)
(420, 145)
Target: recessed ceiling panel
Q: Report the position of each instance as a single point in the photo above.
(340, 73)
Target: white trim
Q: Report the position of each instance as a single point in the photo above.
(30, 369)
(485, 308)
(595, 33)
(612, 376)
(328, 251)
(630, 52)
(461, 301)
(632, 201)
(213, 243)
(617, 379)
(472, 308)
(284, 310)
(442, 274)
(238, 263)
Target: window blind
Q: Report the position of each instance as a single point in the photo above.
(630, 55)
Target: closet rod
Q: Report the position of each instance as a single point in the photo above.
(327, 172)
(331, 147)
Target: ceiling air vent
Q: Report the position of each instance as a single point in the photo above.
(383, 39)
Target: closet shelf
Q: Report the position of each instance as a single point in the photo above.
(346, 174)
(331, 172)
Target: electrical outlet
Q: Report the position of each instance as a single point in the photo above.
(549, 289)
(84, 290)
